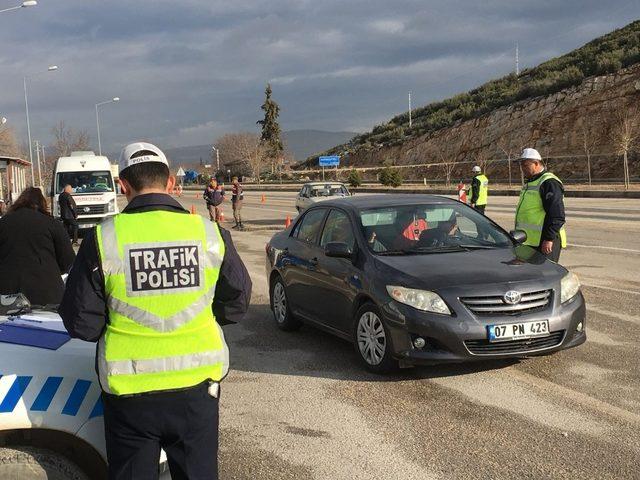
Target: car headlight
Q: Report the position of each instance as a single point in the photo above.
(112, 206)
(420, 299)
(569, 287)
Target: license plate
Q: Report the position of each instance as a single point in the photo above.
(518, 331)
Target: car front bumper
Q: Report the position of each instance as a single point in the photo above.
(463, 338)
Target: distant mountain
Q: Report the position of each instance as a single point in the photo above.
(301, 143)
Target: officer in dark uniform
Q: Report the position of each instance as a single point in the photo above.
(152, 285)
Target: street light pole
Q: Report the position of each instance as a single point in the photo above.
(217, 158)
(30, 3)
(26, 107)
(114, 99)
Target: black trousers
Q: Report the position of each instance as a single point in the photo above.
(480, 208)
(71, 225)
(183, 423)
(555, 250)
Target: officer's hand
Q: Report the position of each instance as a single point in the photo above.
(546, 246)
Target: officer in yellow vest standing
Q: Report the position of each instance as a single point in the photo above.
(540, 211)
(152, 285)
(479, 191)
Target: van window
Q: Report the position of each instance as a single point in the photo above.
(85, 182)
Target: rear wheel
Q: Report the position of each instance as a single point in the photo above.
(372, 341)
(27, 463)
(280, 307)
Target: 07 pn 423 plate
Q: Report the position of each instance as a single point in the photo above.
(518, 331)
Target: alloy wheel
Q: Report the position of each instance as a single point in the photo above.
(279, 303)
(372, 341)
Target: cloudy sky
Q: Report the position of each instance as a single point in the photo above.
(188, 71)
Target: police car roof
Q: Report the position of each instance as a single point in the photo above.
(361, 202)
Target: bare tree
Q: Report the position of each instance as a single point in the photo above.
(505, 146)
(589, 140)
(448, 165)
(8, 143)
(65, 141)
(244, 148)
(624, 134)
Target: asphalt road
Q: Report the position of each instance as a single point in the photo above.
(298, 405)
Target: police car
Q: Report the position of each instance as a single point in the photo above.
(51, 419)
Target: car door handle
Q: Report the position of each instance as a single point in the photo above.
(313, 263)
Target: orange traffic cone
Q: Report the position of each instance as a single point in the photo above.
(263, 199)
(221, 216)
(193, 209)
(287, 222)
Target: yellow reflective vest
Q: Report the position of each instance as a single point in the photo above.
(483, 191)
(530, 213)
(160, 272)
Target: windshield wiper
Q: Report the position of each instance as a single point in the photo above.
(424, 250)
(479, 247)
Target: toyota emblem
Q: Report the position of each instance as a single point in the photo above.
(512, 297)
(87, 210)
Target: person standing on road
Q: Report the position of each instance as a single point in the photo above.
(69, 213)
(479, 190)
(237, 198)
(152, 285)
(214, 196)
(34, 250)
(540, 211)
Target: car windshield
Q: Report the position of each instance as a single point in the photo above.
(85, 182)
(328, 190)
(429, 228)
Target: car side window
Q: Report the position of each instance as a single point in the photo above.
(303, 192)
(338, 229)
(309, 226)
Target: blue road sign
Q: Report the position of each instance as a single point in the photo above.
(331, 161)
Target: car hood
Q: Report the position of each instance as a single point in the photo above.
(441, 270)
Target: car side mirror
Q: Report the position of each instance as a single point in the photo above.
(338, 250)
(520, 236)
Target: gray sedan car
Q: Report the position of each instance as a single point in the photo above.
(419, 279)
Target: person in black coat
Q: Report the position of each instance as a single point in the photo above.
(69, 213)
(34, 251)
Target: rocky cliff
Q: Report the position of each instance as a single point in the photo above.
(558, 125)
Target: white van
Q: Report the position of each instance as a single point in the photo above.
(94, 190)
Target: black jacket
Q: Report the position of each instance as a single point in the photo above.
(67, 206)
(552, 195)
(84, 310)
(213, 196)
(475, 189)
(34, 252)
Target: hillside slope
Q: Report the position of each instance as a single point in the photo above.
(606, 58)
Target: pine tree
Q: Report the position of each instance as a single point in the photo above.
(270, 127)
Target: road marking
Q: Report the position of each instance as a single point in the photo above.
(619, 290)
(617, 249)
(619, 316)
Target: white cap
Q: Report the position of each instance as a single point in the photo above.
(476, 169)
(152, 153)
(530, 154)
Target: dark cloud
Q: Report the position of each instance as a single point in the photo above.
(190, 70)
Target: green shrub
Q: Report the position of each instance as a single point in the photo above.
(390, 177)
(354, 179)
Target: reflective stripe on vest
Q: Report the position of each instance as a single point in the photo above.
(161, 270)
(530, 213)
(483, 191)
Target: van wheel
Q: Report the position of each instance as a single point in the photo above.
(280, 307)
(372, 340)
(28, 463)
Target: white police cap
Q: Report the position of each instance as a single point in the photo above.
(530, 154)
(131, 155)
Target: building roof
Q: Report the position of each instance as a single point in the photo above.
(17, 160)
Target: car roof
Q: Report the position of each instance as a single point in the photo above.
(328, 182)
(361, 202)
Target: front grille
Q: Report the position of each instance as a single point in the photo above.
(93, 209)
(495, 305)
(484, 347)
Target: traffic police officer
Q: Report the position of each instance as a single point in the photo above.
(152, 285)
(479, 191)
(540, 211)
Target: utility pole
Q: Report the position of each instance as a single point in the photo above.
(517, 61)
(38, 160)
(410, 123)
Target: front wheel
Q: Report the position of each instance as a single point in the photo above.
(280, 307)
(372, 340)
